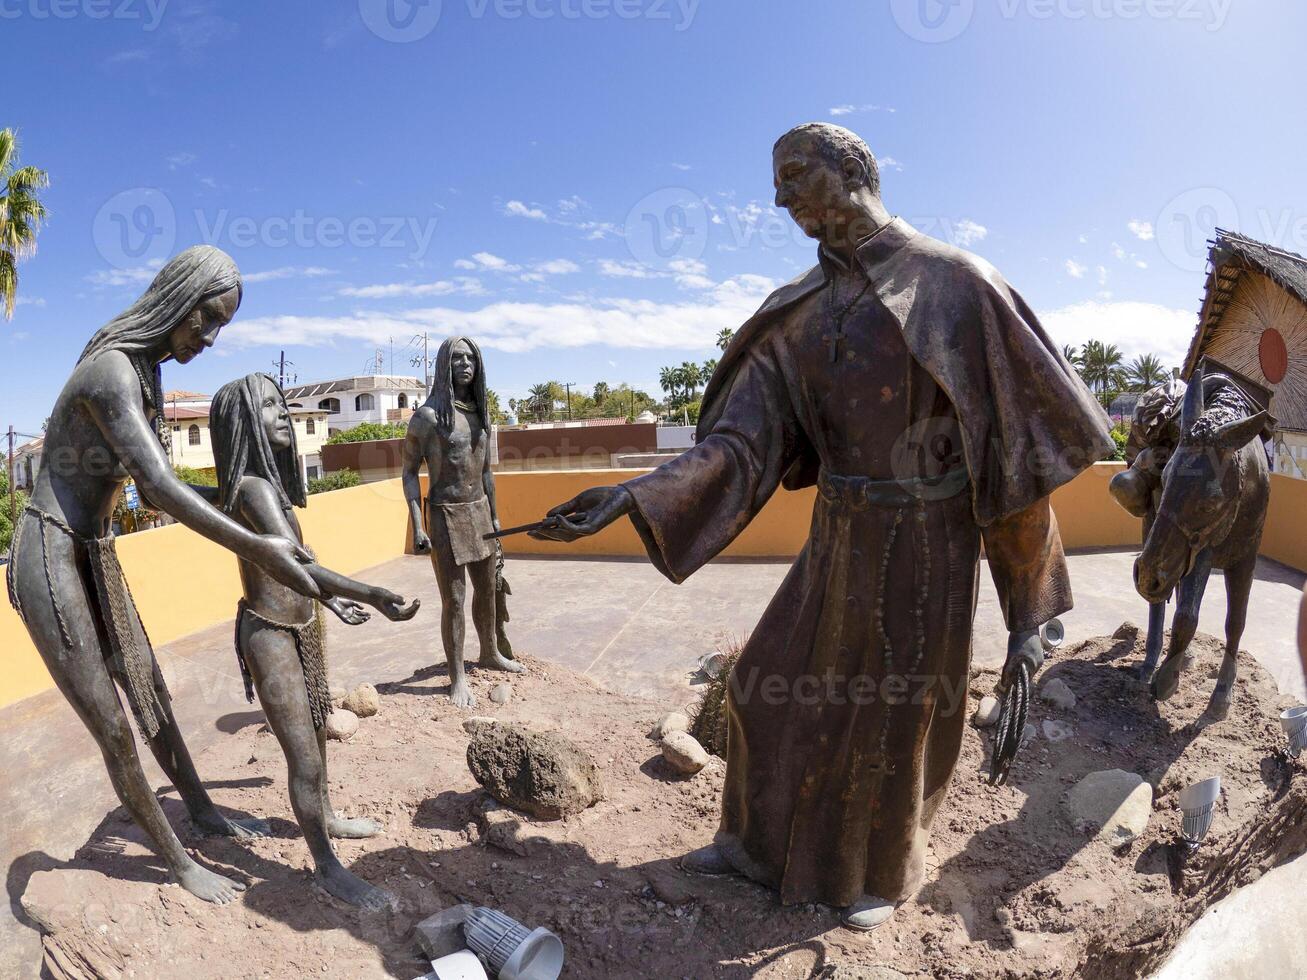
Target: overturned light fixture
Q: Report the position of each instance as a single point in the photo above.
(1294, 723)
(1198, 805)
(1052, 635)
(462, 965)
(513, 952)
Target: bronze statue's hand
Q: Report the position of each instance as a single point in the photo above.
(587, 513)
(1022, 645)
(284, 560)
(421, 542)
(348, 611)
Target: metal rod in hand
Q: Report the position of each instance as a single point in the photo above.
(547, 524)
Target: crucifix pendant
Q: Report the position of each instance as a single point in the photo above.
(835, 339)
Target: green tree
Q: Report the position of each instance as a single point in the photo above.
(497, 415)
(338, 480)
(9, 506)
(370, 432)
(706, 369)
(724, 337)
(21, 214)
(1102, 368)
(1072, 355)
(691, 377)
(542, 399)
(195, 478)
(1145, 372)
(600, 393)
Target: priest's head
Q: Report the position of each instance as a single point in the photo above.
(829, 181)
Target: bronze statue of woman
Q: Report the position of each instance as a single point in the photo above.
(64, 576)
(279, 635)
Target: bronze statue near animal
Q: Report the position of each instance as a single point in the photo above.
(1214, 492)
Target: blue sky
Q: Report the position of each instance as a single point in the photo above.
(584, 185)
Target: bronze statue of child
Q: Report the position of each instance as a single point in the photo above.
(279, 633)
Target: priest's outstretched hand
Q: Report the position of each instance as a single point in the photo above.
(587, 513)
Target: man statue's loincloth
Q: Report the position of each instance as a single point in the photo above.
(466, 526)
(310, 644)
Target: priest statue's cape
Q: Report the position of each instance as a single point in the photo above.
(913, 386)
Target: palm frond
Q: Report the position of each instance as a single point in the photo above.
(8, 283)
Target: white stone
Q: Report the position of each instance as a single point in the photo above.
(500, 693)
(476, 721)
(1114, 803)
(676, 721)
(1057, 731)
(1056, 692)
(363, 701)
(341, 725)
(987, 713)
(684, 753)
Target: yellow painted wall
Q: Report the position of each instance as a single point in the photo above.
(184, 583)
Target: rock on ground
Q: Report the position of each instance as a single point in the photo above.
(987, 713)
(684, 753)
(501, 693)
(540, 773)
(675, 721)
(363, 701)
(1114, 802)
(342, 725)
(1056, 692)
(442, 934)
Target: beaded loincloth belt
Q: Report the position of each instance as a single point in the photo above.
(130, 653)
(310, 644)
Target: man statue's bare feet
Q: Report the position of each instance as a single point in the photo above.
(213, 824)
(462, 695)
(355, 828)
(709, 861)
(208, 885)
(867, 913)
(353, 890)
(498, 662)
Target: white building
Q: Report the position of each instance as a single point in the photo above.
(192, 444)
(352, 401)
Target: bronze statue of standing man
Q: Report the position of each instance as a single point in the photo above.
(451, 435)
(916, 389)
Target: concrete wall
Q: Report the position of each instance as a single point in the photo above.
(184, 583)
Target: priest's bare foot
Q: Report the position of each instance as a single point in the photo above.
(353, 828)
(353, 890)
(867, 913)
(710, 861)
(497, 662)
(462, 695)
(214, 824)
(208, 885)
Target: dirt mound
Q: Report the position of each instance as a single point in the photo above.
(1013, 890)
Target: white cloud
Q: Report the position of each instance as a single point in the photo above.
(1084, 239)
(571, 205)
(889, 163)
(683, 167)
(1118, 252)
(288, 272)
(967, 232)
(1075, 270)
(141, 275)
(1143, 230)
(516, 209)
(1102, 275)
(625, 270)
(1141, 264)
(1136, 328)
(444, 287)
(556, 267)
(849, 110)
(517, 327)
(181, 160)
(37, 301)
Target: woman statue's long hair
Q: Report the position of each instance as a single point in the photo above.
(241, 447)
(441, 399)
(188, 279)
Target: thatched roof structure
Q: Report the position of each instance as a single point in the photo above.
(1254, 318)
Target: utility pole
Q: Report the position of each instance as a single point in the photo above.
(281, 366)
(424, 360)
(13, 493)
(568, 386)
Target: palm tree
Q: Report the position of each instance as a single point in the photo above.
(1102, 369)
(1146, 372)
(667, 380)
(724, 337)
(601, 393)
(21, 214)
(541, 400)
(690, 378)
(706, 370)
(1072, 354)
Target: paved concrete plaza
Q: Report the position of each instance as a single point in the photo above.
(618, 621)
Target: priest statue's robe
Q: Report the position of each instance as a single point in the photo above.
(920, 394)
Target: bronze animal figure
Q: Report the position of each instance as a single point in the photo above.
(1215, 489)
